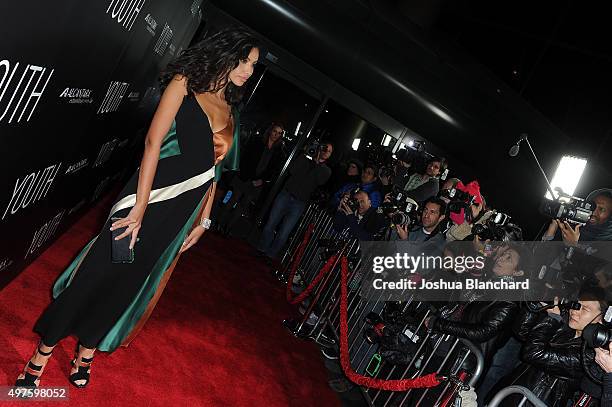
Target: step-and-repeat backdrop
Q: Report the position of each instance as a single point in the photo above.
(78, 86)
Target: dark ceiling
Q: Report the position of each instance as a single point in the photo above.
(556, 54)
(470, 76)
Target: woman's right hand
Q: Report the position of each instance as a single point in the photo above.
(133, 221)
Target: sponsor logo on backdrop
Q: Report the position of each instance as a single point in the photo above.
(114, 96)
(164, 40)
(100, 188)
(21, 89)
(125, 12)
(31, 188)
(148, 97)
(77, 95)
(78, 206)
(134, 96)
(5, 263)
(151, 24)
(42, 235)
(171, 49)
(195, 6)
(105, 152)
(72, 168)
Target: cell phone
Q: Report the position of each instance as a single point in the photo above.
(120, 249)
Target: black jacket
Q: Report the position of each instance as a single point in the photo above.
(252, 152)
(551, 356)
(606, 395)
(364, 229)
(486, 324)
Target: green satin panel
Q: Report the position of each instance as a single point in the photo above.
(231, 162)
(120, 331)
(170, 145)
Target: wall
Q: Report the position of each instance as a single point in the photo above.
(78, 85)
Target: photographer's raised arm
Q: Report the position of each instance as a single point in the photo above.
(538, 350)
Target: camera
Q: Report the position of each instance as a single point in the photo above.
(576, 210)
(401, 209)
(597, 335)
(493, 228)
(315, 148)
(457, 199)
(352, 203)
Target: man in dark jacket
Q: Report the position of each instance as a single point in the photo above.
(552, 367)
(364, 222)
(604, 360)
(305, 175)
(260, 165)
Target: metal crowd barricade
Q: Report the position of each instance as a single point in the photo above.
(510, 390)
(325, 302)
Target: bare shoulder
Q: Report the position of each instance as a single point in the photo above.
(178, 83)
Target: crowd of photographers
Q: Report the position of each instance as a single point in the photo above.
(536, 345)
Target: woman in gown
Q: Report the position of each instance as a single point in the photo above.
(164, 207)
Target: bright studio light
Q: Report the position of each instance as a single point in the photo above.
(411, 143)
(568, 174)
(386, 140)
(355, 145)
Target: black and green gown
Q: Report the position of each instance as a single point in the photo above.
(105, 304)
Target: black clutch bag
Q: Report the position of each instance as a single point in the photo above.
(120, 249)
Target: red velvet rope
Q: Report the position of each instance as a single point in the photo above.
(327, 267)
(429, 380)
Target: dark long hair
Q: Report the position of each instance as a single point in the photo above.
(206, 65)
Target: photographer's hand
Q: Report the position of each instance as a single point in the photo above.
(555, 309)
(387, 197)
(552, 229)
(402, 231)
(604, 359)
(570, 236)
(345, 208)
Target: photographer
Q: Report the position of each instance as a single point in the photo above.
(422, 186)
(471, 213)
(433, 214)
(347, 172)
(368, 184)
(259, 165)
(363, 220)
(551, 353)
(305, 175)
(598, 228)
(604, 360)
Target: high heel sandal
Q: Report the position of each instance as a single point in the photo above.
(84, 367)
(32, 372)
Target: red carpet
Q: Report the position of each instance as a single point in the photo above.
(215, 338)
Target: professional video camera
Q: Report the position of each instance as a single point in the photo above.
(597, 335)
(493, 228)
(401, 209)
(568, 209)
